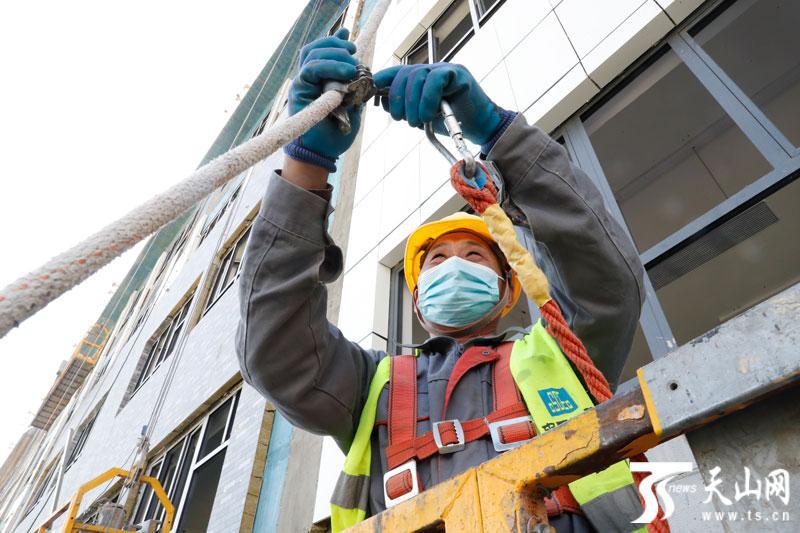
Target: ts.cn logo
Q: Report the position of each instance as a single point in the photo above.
(660, 474)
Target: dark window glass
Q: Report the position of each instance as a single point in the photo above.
(42, 487)
(232, 417)
(669, 151)
(200, 498)
(228, 269)
(757, 45)
(639, 356)
(215, 429)
(732, 267)
(146, 492)
(80, 440)
(418, 54)
(165, 343)
(451, 29)
(186, 463)
(487, 7)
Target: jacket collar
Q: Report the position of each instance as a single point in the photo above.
(444, 344)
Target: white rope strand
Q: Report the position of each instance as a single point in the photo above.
(33, 291)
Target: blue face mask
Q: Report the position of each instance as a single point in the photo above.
(457, 292)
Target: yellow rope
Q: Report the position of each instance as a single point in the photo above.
(531, 277)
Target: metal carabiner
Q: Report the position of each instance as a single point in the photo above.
(454, 130)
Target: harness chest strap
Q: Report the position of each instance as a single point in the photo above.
(509, 424)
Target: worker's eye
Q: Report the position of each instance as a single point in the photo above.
(475, 253)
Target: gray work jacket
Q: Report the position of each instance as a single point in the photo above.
(319, 380)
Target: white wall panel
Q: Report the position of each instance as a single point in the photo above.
(434, 170)
(497, 84)
(400, 195)
(625, 44)
(539, 61)
(515, 19)
(371, 170)
(588, 22)
(357, 311)
(679, 9)
(364, 227)
(398, 140)
(481, 53)
(563, 99)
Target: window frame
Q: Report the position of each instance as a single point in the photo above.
(427, 39)
(226, 259)
(78, 441)
(146, 497)
(43, 483)
(208, 226)
(156, 351)
(771, 144)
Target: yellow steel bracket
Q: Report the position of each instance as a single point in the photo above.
(72, 508)
(506, 493)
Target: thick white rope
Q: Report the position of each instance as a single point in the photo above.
(33, 291)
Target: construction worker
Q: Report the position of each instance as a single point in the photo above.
(462, 285)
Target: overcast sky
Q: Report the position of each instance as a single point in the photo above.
(102, 105)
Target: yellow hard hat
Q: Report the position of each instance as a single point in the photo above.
(419, 242)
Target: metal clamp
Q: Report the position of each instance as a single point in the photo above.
(410, 466)
(497, 440)
(454, 130)
(356, 93)
(449, 448)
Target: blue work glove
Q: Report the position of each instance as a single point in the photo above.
(416, 93)
(323, 60)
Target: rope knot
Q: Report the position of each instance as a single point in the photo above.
(479, 192)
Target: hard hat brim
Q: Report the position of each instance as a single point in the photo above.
(419, 241)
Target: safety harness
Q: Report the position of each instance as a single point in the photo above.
(509, 424)
(539, 371)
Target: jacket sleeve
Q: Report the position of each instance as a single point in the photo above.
(287, 349)
(594, 270)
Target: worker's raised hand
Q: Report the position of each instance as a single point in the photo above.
(323, 60)
(416, 93)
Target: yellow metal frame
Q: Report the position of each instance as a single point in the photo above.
(73, 506)
(506, 493)
(95, 340)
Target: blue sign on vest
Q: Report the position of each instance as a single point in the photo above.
(557, 401)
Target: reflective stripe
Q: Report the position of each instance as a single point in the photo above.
(344, 518)
(614, 510)
(595, 485)
(357, 463)
(351, 492)
(552, 394)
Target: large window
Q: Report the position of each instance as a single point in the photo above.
(79, 439)
(695, 152)
(227, 196)
(454, 27)
(229, 267)
(164, 342)
(756, 43)
(189, 470)
(669, 151)
(45, 482)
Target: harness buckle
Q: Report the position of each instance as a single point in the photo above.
(453, 447)
(409, 467)
(497, 439)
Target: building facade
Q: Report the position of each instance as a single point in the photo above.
(686, 115)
